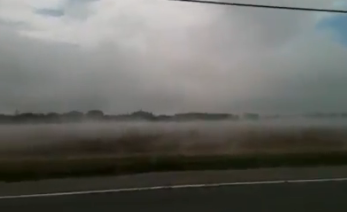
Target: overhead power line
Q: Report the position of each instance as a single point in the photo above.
(264, 6)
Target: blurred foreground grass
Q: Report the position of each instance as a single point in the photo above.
(45, 168)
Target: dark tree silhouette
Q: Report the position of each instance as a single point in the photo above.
(95, 114)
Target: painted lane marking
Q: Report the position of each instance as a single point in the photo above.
(171, 187)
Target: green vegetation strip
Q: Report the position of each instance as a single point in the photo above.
(36, 169)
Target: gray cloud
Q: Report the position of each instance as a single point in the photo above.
(209, 59)
(50, 12)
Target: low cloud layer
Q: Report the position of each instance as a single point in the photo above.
(166, 56)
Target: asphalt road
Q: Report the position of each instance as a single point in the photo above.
(289, 189)
(286, 197)
(169, 179)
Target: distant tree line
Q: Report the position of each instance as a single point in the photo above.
(98, 115)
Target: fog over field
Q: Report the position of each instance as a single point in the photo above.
(128, 138)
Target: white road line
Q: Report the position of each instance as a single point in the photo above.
(171, 187)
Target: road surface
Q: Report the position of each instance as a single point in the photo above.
(285, 190)
(300, 197)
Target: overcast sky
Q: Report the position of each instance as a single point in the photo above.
(166, 57)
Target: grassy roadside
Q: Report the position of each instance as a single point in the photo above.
(12, 170)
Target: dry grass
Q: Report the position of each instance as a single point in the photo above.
(186, 139)
(43, 168)
(31, 152)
